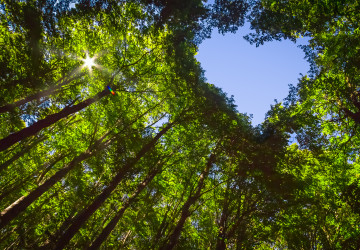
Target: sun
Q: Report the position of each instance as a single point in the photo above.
(89, 62)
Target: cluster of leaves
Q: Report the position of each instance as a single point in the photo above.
(322, 112)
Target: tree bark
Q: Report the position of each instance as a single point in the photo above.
(23, 202)
(15, 186)
(47, 166)
(234, 227)
(111, 225)
(354, 116)
(11, 106)
(18, 184)
(22, 152)
(220, 243)
(163, 225)
(47, 121)
(86, 213)
(185, 211)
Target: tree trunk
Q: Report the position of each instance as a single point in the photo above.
(15, 186)
(21, 153)
(86, 213)
(47, 121)
(111, 225)
(24, 181)
(354, 116)
(220, 243)
(163, 226)
(47, 166)
(23, 202)
(185, 211)
(18, 184)
(235, 226)
(11, 106)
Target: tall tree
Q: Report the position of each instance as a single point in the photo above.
(110, 226)
(86, 213)
(23, 202)
(185, 210)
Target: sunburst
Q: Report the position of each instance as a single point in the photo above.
(89, 62)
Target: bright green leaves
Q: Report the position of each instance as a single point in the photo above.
(257, 191)
(322, 111)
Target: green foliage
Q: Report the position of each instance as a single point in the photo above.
(184, 166)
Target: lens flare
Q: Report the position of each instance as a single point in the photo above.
(112, 91)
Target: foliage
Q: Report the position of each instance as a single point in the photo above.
(168, 162)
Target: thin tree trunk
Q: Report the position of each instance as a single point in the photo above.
(22, 182)
(11, 106)
(111, 225)
(5, 235)
(185, 211)
(47, 121)
(46, 245)
(125, 238)
(23, 202)
(163, 225)
(86, 213)
(15, 186)
(21, 153)
(168, 220)
(38, 208)
(49, 165)
(220, 243)
(232, 230)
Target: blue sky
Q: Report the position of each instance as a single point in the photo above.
(255, 76)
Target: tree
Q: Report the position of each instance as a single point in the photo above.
(110, 226)
(168, 162)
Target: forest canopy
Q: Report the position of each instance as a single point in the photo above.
(112, 138)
